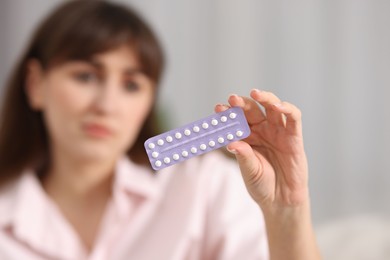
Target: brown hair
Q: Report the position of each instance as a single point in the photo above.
(75, 30)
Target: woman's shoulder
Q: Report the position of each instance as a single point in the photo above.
(207, 176)
(211, 172)
(210, 169)
(9, 194)
(207, 171)
(214, 162)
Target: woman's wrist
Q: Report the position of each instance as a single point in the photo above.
(290, 232)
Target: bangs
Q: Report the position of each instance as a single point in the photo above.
(86, 42)
(95, 28)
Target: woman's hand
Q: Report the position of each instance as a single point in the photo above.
(274, 167)
(272, 159)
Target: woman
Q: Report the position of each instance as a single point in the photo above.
(75, 182)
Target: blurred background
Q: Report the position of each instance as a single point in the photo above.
(330, 58)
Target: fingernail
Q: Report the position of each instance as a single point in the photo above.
(222, 105)
(233, 95)
(256, 90)
(280, 105)
(233, 151)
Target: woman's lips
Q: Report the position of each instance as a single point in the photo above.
(97, 130)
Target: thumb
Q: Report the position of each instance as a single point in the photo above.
(250, 165)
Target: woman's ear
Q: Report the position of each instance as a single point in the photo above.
(34, 84)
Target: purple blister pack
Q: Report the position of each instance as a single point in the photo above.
(196, 138)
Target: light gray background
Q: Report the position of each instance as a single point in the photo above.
(330, 58)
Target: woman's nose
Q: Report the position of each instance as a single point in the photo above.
(107, 99)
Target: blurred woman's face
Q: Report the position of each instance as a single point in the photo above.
(94, 109)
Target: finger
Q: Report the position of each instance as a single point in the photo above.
(252, 111)
(267, 99)
(221, 107)
(293, 116)
(251, 167)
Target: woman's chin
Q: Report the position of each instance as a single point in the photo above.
(96, 154)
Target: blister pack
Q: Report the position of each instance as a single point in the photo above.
(196, 138)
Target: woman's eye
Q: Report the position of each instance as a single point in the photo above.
(86, 77)
(131, 86)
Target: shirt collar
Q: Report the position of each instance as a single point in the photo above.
(8, 195)
(33, 217)
(13, 197)
(135, 179)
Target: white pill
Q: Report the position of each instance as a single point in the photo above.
(194, 150)
(155, 154)
(239, 133)
(187, 132)
(175, 157)
(158, 163)
(211, 143)
(160, 142)
(232, 115)
(221, 140)
(196, 129)
(184, 153)
(223, 119)
(230, 137)
(167, 160)
(169, 138)
(202, 147)
(214, 122)
(178, 135)
(205, 125)
(151, 145)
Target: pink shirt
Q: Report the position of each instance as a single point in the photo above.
(198, 209)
